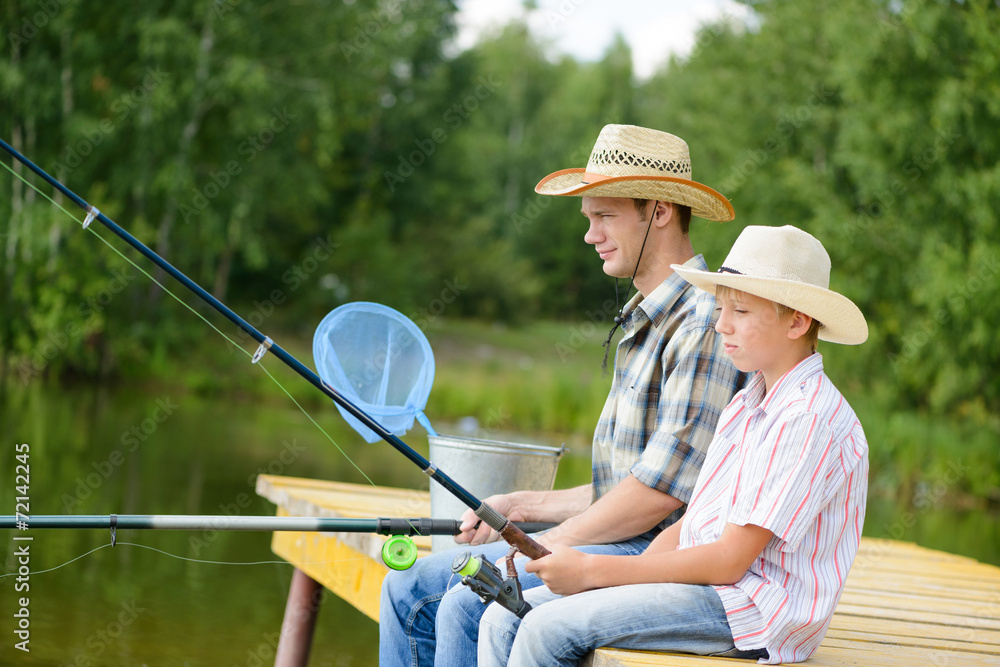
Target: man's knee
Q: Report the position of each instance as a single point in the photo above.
(460, 604)
(424, 579)
(394, 585)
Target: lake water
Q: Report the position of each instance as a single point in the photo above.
(96, 451)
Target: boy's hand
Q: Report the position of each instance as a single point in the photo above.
(564, 571)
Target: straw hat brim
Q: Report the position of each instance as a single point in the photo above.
(842, 321)
(703, 200)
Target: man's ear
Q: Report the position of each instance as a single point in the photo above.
(664, 213)
(799, 326)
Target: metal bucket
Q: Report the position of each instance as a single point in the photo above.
(484, 468)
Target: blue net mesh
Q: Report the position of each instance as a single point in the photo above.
(379, 360)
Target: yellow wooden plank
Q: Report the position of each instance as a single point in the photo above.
(929, 613)
(829, 654)
(927, 588)
(838, 653)
(868, 602)
(347, 572)
(612, 657)
(945, 570)
(310, 497)
(924, 643)
(348, 564)
(875, 549)
(913, 633)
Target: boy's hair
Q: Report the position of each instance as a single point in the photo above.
(811, 337)
(683, 212)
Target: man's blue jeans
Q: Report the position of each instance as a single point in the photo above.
(428, 617)
(653, 617)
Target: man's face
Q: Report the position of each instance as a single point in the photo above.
(616, 231)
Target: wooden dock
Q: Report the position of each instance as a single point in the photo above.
(903, 604)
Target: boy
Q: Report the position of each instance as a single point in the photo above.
(757, 564)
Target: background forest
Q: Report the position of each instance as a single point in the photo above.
(294, 156)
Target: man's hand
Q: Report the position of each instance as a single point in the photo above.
(564, 571)
(474, 531)
(540, 506)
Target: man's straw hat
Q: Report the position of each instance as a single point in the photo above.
(790, 267)
(636, 162)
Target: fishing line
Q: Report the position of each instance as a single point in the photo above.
(488, 581)
(511, 533)
(189, 307)
(185, 558)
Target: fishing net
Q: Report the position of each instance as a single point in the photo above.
(380, 361)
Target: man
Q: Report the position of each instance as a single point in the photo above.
(671, 382)
(757, 564)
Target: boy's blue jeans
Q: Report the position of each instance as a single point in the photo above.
(428, 617)
(562, 630)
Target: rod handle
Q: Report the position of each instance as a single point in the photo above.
(511, 534)
(425, 526)
(519, 540)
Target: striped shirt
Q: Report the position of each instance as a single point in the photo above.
(671, 382)
(796, 463)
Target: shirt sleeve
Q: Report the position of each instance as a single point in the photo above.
(698, 382)
(782, 481)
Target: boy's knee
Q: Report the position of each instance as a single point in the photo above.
(499, 621)
(535, 637)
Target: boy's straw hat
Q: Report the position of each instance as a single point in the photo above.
(636, 162)
(790, 267)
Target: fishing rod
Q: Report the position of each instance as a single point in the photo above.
(514, 536)
(399, 554)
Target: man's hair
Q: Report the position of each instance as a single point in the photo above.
(811, 336)
(683, 212)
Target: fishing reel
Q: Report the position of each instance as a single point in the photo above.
(486, 581)
(399, 552)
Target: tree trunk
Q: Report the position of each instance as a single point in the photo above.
(66, 81)
(199, 107)
(10, 235)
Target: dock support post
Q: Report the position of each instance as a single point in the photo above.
(304, 598)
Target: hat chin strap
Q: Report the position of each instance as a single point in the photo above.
(619, 318)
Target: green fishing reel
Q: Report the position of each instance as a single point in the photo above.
(399, 552)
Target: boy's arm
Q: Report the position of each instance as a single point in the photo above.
(722, 562)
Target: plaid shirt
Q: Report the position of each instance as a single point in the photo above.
(672, 380)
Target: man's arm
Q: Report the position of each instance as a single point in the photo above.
(723, 562)
(542, 506)
(629, 509)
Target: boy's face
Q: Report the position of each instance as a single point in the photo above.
(755, 338)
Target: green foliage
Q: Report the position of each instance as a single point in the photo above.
(294, 157)
(873, 126)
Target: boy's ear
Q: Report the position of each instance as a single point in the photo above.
(799, 326)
